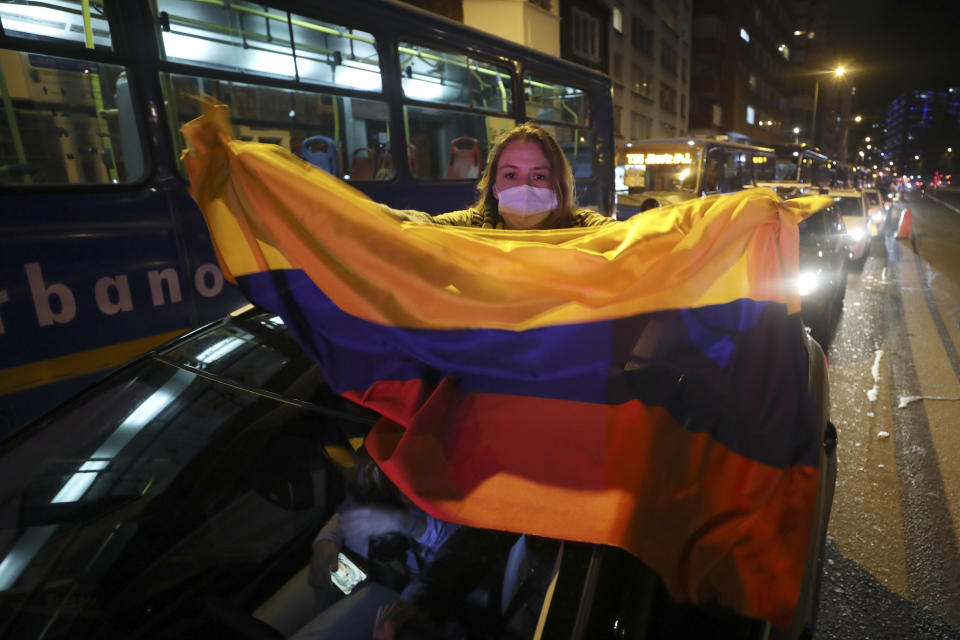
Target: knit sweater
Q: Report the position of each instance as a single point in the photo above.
(475, 218)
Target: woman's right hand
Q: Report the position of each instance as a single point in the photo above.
(323, 562)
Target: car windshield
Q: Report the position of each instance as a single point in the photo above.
(849, 205)
(95, 522)
(873, 198)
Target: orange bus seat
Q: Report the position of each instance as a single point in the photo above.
(465, 158)
(362, 164)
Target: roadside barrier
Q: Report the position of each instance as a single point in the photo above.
(905, 228)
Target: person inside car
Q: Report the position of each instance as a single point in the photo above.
(375, 522)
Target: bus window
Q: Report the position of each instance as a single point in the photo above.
(67, 121)
(787, 167)
(451, 145)
(349, 137)
(764, 166)
(562, 104)
(249, 37)
(577, 145)
(64, 21)
(819, 172)
(453, 79)
(555, 102)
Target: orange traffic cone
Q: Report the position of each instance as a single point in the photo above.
(905, 229)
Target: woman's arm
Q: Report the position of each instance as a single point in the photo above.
(464, 218)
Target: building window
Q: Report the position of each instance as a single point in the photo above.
(752, 81)
(669, 17)
(751, 115)
(641, 81)
(668, 58)
(617, 68)
(668, 98)
(640, 36)
(717, 115)
(744, 35)
(640, 126)
(683, 106)
(617, 120)
(617, 20)
(586, 35)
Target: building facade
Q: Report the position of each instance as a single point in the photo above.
(741, 71)
(922, 132)
(650, 68)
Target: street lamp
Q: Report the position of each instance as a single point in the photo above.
(837, 73)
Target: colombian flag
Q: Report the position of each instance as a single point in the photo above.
(641, 384)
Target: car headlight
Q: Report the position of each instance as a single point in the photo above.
(807, 282)
(855, 234)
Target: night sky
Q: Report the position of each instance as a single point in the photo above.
(894, 45)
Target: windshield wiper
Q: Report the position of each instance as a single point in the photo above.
(295, 402)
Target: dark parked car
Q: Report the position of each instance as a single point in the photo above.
(178, 495)
(824, 251)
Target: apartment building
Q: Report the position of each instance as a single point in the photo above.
(741, 71)
(922, 132)
(650, 68)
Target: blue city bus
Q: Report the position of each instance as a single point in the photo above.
(103, 254)
(653, 173)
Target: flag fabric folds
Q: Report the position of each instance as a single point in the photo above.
(641, 384)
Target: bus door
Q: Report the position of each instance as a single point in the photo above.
(721, 173)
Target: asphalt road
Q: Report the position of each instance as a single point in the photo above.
(893, 563)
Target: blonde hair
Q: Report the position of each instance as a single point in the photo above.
(560, 171)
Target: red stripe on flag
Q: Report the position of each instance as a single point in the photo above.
(712, 523)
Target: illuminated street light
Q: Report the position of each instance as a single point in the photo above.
(838, 72)
(916, 157)
(857, 118)
(867, 139)
(797, 130)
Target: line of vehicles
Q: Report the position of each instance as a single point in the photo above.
(656, 173)
(183, 488)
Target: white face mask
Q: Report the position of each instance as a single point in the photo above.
(525, 206)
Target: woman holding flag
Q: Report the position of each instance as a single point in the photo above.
(527, 184)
